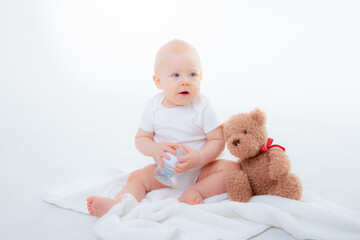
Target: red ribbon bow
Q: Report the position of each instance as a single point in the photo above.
(268, 145)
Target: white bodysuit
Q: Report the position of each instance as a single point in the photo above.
(186, 125)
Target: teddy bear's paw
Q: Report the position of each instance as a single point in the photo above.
(288, 186)
(238, 186)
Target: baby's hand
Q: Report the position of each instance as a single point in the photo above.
(190, 160)
(161, 149)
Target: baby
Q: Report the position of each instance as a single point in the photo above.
(179, 116)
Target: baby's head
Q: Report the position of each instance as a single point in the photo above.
(178, 73)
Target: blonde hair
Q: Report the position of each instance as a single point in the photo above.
(176, 46)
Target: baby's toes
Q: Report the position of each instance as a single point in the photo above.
(191, 196)
(199, 201)
(196, 200)
(90, 199)
(90, 211)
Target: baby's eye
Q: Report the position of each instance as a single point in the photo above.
(175, 75)
(193, 75)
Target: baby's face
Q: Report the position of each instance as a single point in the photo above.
(179, 75)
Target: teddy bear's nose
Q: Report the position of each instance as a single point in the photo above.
(235, 142)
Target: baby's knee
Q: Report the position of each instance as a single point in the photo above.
(142, 174)
(135, 175)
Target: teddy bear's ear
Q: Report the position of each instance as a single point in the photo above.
(258, 116)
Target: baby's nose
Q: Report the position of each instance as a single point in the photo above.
(185, 82)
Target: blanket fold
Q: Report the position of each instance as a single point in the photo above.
(160, 216)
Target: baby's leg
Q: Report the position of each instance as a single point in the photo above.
(138, 184)
(211, 181)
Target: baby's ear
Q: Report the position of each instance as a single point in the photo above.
(258, 115)
(157, 81)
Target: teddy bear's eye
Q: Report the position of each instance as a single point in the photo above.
(245, 132)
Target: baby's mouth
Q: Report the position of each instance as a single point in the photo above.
(184, 93)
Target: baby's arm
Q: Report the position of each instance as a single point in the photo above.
(212, 149)
(214, 146)
(144, 142)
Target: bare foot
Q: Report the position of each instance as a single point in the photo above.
(98, 206)
(191, 196)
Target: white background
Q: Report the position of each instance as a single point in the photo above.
(75, 75)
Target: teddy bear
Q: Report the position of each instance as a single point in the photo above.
(265, 168)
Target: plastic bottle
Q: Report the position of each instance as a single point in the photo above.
(167, 175)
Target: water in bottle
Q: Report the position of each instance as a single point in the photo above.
(167, 175)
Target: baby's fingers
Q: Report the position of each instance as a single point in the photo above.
(164, 155)
(170, 150)
(173, 145)
(182, 159)
(160, 161)
(180, 167)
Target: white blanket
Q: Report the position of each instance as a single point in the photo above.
(161, 216)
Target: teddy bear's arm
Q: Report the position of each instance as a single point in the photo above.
(279, 163)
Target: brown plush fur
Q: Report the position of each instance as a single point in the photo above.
(261, 172)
